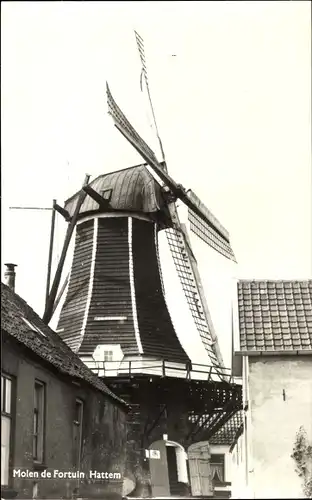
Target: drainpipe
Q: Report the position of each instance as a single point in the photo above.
(9, 276)
(246, 426)
(249, 469)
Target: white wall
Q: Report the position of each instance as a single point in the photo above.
(275, 420)
(238, 469)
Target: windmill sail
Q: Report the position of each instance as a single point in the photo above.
(175, 236)
(186, 267)
(140, 44)
(214, 234)
(209, 236)
(183, 267)
(203, 222)
(127, 130)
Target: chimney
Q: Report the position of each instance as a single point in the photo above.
(9, 275)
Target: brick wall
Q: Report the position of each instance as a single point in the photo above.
(104, 428)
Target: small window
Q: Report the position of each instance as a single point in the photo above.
(217, 468)
(6, 394)
(6, 427)
(108, 355)
(78, 412)
(35, 490)
(77, 433)
(39, 422)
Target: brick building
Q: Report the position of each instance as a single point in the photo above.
(55, 414)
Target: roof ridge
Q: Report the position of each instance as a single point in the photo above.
(274, 280)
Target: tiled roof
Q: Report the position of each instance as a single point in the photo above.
(226, 435)
(17, 319)
(275, 315)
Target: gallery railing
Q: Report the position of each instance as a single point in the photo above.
(191, 371)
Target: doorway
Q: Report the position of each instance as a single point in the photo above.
(169, 475)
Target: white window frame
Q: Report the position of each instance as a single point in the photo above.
(108, 355)
(212, 464)
(6, 416)
(35, 490)
(104, 366)
(39, 422)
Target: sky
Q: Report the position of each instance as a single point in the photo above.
(231, 88)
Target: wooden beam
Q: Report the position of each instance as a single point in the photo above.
(58, 274)
(194, 425)
(217, 415)
(156, 420)
(30, 208)
(61, 211)
(50, 254)
(217, 423)
(60, 295)
(97, 197)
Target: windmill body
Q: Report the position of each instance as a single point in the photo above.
(115, 297)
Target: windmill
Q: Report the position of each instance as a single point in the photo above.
(202, 221)
(104, 194)
(115, 314)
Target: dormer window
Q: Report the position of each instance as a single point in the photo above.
(108, 355)
(108, 358)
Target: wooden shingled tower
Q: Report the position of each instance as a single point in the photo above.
(116, 317)
(115, 293)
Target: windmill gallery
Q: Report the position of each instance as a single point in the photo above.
(116, 321)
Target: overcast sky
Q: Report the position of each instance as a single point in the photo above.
(231, 86)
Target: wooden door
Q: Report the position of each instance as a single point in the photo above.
(200, 477)
(204, 476)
